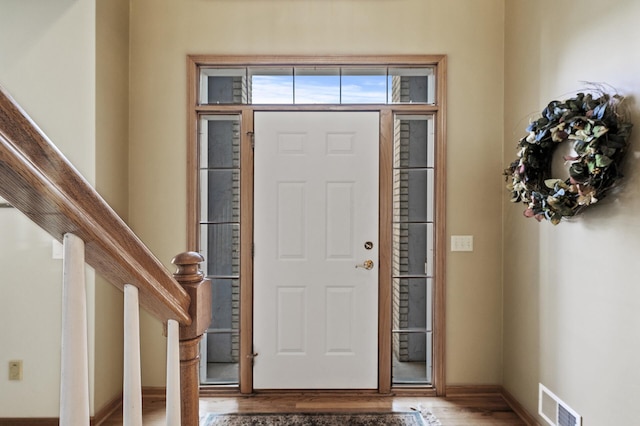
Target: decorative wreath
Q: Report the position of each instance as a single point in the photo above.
(600, 134)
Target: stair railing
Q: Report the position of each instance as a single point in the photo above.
(38, 180)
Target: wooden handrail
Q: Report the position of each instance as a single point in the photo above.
(38, 180)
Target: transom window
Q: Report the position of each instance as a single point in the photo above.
(316, 85)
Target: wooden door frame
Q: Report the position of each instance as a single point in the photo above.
(387, 113)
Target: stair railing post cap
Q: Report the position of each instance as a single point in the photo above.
(188, 266)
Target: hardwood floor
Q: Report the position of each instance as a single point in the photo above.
(482, 410)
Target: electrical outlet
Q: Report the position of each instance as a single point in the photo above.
(462, 243)
(15, 370)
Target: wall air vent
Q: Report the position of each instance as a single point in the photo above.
(554, 410)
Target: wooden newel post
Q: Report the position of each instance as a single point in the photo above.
(189, 275)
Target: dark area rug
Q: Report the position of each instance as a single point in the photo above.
(316, 419)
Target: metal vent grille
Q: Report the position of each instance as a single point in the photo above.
(554, 411)
(565, 418)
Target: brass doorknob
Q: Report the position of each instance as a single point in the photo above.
(368, 264)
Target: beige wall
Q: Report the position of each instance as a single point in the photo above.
(470, 32)
(112, 179)
(66, 63)
(112, 103)
(47, 52)
(571, 296)
(30, 317)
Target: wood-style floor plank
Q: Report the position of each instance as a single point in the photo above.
(481, 410)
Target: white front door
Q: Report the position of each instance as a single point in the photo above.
(316, 220)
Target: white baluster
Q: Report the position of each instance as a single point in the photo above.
(132, 392)
(74, 374)
(173, 373)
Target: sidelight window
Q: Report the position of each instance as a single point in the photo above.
(412, 249)
(220, 244)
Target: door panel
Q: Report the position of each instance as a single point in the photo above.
(316, 205)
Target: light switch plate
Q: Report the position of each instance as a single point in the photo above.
(462, 243)
(15, 370)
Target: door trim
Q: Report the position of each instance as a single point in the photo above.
(246, 253)
(438, 110)
(385, 210)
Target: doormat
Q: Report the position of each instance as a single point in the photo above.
(319, 419)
